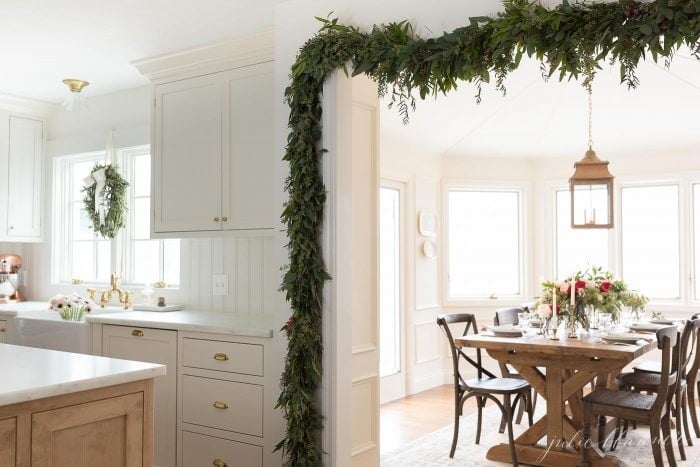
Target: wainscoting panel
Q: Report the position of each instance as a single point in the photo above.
(427, 338)
(364, 420)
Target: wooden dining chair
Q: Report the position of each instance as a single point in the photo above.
(648, 381)
(693, 384)
(503, 317)
(486, 386)
(653, 410)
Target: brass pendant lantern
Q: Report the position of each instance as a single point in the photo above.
(591, 186)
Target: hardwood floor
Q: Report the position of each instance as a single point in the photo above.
(412, 417)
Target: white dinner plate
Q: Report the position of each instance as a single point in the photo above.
(646, 327)
(507, 330)
(621, 337)
(662, 321)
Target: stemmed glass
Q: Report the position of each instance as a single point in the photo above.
(524, 322)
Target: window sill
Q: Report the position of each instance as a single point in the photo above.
(485, 302)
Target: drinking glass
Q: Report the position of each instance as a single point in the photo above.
(604, 321)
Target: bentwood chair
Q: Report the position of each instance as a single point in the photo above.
(648, 382)
(486, 386)
(654, 410)
(503, 317)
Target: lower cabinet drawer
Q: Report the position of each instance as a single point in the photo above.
(225, 405)
(202, 451)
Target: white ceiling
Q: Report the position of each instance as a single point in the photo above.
(42, 42)
(538, 119)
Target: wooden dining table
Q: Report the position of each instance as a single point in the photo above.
(569, 365)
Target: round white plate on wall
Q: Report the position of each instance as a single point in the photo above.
(430, 249)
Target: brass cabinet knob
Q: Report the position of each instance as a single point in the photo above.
(224, 219)
(216, 219)
(220, 405)
(219, 463)
(137, 333)
(222, 357)
(2, 329)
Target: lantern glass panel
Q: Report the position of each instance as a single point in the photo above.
(591, 204)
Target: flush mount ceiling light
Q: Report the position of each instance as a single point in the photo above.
(75, 100)
(591, 186)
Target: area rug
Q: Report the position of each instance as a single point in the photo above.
(433, 449)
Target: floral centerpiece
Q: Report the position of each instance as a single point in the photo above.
(587, 291)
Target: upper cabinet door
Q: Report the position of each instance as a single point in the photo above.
(24, 184)
(248, 169)
(187, 155)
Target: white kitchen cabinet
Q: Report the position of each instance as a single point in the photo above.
(213, 153)
(22, 178)
(249, 145)
(152, 346)
(187, 155)
(224, 404)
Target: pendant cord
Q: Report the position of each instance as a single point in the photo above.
(590, 117)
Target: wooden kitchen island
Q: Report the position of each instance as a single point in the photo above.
(60, 409)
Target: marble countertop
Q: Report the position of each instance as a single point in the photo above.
(29, 373)
(12, 309)
(219, 322)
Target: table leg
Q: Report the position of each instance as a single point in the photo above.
(555, 409)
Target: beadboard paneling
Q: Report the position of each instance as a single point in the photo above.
(248, 263)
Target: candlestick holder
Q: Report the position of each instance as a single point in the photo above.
(554, 333)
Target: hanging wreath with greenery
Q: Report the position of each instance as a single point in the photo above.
(569, 41)
(105, 199)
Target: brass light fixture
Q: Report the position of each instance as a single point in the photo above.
(591, 186)
(75, 100)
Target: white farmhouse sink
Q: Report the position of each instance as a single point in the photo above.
(45, 329)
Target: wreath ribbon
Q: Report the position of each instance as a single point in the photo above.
(98, 178)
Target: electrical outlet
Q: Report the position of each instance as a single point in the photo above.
(220, 284)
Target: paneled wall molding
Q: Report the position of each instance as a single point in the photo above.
(365, 435)
(427, 337)
(363, 348)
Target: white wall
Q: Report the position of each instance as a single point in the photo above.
(247, 261)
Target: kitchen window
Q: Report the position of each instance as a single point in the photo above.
(484, 239)
(80, 255)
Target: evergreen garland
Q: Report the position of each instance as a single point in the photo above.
(115, 198)
(569, 41)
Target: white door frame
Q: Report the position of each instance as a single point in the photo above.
(395, 386)
(337, 239)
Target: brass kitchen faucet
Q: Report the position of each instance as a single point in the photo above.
(106, 295)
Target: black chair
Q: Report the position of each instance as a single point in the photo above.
(655, 410)
(648, 381)
(503, 317)
(486, 386)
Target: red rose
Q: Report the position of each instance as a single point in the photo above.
(605, 286)
(580, 285)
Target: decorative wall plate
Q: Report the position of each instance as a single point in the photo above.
(430, 249)
(427, 223)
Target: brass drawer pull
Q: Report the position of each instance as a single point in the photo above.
(220, 405)
(224, 219)
(137, 333)
(2, 329)
(222, 357)
(216, 219)
(595, 359)
(219, 463)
